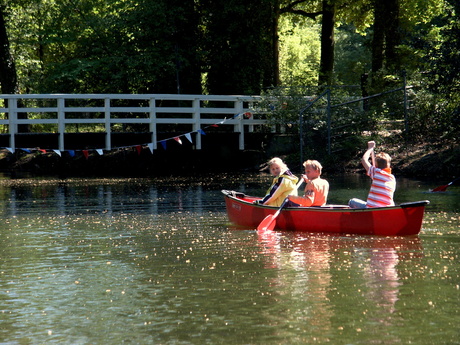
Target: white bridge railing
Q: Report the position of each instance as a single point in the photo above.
(62, 113)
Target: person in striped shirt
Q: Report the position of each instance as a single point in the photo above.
(383, 181)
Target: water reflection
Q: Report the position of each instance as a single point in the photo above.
(157, 262)
(319, 261)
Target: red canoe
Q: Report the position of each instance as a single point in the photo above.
(401, 220)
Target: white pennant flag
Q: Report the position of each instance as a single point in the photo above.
(100, 151)
(189, 137)
(58, 152)
(10, 149)
(150, 145)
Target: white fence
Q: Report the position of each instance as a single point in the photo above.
(59, 111)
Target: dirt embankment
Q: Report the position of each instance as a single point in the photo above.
(419, 161)
(427, 161)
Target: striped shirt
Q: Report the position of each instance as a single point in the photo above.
(382, 188)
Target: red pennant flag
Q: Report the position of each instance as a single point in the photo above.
(178, 140)
(214, 125)
(42, 150)
(138, 148)
(85, 153)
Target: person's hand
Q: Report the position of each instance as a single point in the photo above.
(305, 178)
(370, 145)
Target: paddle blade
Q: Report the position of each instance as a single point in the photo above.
(440, 188)
(268, 223)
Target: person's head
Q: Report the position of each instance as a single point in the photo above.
(382, 160)
(277, 166)
(313, 169)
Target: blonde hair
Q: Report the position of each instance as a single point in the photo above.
(314, 164)
(280, 163)
(382, 160)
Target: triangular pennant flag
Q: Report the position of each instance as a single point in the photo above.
(189, 137)
(201, 132)
(26, 150)
(163, 143)
(85, 153)
(10, 149)
(178, 140)
(71, 153)
(42, 150)
(58, 152)
(150, 145)
(100, 152)
(214, 125)
(247, 115)
(138, 149)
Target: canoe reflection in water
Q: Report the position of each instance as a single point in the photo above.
(371, 264)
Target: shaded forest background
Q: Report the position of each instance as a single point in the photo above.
(250, 47)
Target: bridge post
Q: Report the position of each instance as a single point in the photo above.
(153, 122)
(239, 127)
(196, 121)
(108, 123)
(13, 121)
(61, 121)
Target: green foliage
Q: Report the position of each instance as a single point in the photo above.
(237, 45)
(229, 47)
(352, 55)
(283, 104)
(106, 46)
(299, 52)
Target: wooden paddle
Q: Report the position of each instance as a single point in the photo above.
(444, 188)
(269, 222)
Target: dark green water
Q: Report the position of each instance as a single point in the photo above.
(146, 261)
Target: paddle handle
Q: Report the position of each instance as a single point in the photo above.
(373, 158)
(281, 207)
(458, 178)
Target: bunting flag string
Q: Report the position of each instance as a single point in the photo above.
(138, 147)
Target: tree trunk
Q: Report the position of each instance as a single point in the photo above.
(8, 78)
(275, 44)
(379, 35)
(392, 35)
(326, 66)
(386, 36)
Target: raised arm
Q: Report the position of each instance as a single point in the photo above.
(367, 154)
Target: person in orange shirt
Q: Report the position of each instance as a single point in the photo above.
(316, 189)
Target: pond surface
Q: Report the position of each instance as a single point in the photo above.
(155, 261)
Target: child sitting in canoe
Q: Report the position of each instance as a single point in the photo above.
(316, 189)
(383, 181)
(284, 183)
